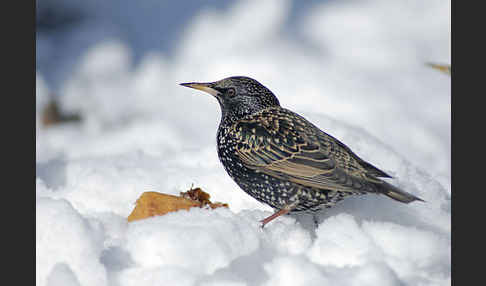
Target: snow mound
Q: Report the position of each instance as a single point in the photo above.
(67, 245)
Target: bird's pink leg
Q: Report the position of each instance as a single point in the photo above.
(274, 215)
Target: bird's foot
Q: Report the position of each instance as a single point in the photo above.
(315, 219)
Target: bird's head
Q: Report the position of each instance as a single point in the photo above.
(238, 96)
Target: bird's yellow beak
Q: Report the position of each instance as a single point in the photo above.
(206, 87)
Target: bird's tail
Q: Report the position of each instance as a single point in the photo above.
(395, 193)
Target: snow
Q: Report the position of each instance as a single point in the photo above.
(212, 240)
(62, 275)
(65, 236)
(355, 68)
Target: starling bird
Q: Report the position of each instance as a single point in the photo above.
(283, 160)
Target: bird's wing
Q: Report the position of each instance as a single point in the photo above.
(280, 143)
(340, 148)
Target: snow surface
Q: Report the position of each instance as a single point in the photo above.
(357, 71)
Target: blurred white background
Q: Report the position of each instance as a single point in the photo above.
(359, 62)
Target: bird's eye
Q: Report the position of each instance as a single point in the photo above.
(231, 92)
